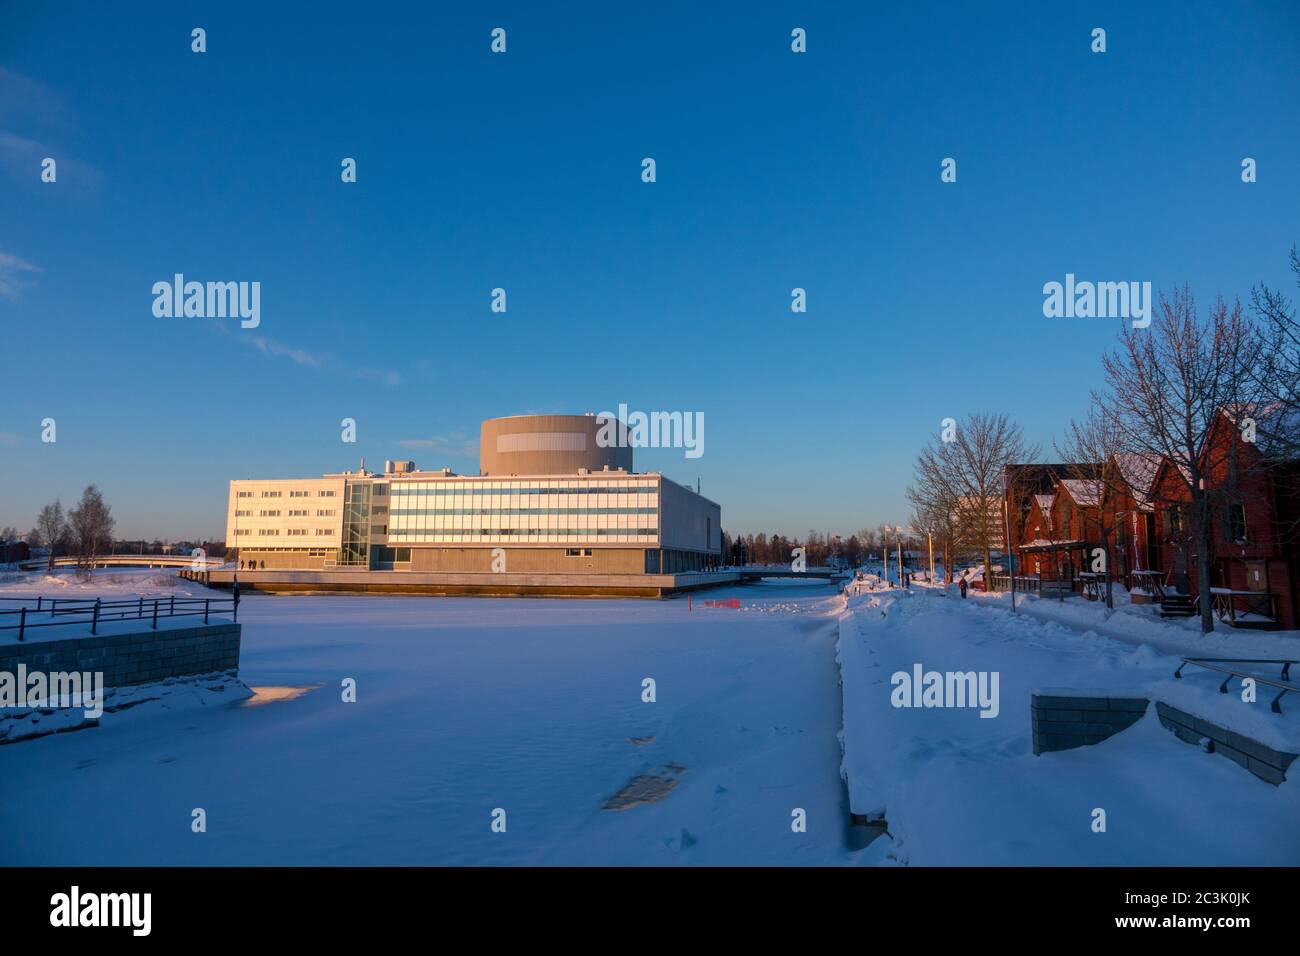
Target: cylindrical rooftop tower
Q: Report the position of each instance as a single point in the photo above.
(552, 445)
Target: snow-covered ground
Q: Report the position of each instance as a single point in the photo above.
(958, 789)
(465, 705)
(534, 706)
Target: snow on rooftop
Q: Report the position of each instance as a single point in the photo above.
(1138, 472)
(1085, 491)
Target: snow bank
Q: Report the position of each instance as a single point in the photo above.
(957, 789)
(124, 706)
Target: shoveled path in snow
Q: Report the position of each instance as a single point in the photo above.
(959, 789)
(466, 705)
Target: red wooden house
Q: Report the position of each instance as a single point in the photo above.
(1036, 548)
(1077, 521)
(1131, 518)
(1255, 556)
(1035, 535)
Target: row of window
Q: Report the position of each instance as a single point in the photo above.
(292, 494)
(534, 519)
(533, 532)
(1234, 522)
(294, 549)
(416, 488)
(409, 512)
(275, 532)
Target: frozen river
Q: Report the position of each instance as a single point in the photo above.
(466, 706)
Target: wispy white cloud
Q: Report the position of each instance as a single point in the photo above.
(21, 157)
(33, 125)
(454, 444)
(305, 357)
(272, 347)
(25, 100)
(15, 274)
(382, 376)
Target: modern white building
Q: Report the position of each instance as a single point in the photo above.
(548, 500)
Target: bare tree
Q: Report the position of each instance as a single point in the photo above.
(984, 446)
(91, 526)
(965, 474)
(1167, 388)
(52, 528)
(1277, 373)
(1087, 452)
(933, 508)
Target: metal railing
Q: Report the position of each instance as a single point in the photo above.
(1032, 584)
(1211, 664)
(60, 612)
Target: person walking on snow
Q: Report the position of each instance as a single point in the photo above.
(961, 586)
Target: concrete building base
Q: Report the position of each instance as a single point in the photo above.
(521, 584)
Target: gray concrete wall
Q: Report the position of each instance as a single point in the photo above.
(687, 521)
(282, 559)
(548, 560)
(348, 581)
(1264, 762)
(1065, 722)
(133, 658)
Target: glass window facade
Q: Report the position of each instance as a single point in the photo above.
(356, 523)
(598, 510)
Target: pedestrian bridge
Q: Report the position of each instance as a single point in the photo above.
(127, 561)
(757, 573)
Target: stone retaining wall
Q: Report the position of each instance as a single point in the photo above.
(1264, 762)
(1064, 722)
(134, 658)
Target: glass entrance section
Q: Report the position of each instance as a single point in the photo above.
(356, 526)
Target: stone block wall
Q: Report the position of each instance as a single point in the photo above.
(134, 658)
(1263, 761)
(1065, 722)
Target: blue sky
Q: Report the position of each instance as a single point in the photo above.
(522, 170)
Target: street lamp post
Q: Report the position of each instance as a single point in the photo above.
(930, 537)
(898, 537)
